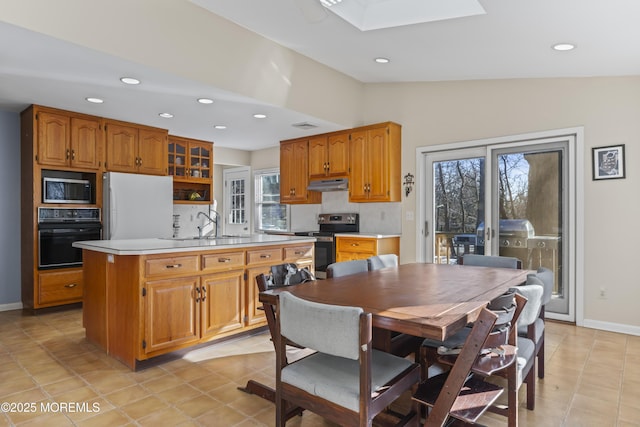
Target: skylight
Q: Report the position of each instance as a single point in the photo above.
(376, 14)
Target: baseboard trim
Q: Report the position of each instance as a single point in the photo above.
(13, 306)
(612, 327)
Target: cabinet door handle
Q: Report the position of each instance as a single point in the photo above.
(173, 266)
(204, 293)
(73, 154)
(70, 285)
(140, 161)
(67, 154)
(224, 259)
(198, 292)
(299, 252)
(355, 244)
(265, 256)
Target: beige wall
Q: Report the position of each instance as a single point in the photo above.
(609, 110)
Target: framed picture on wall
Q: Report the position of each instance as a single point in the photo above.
(608, 162)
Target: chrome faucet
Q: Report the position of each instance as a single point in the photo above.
(211, 220)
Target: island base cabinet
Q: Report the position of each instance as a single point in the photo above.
(172, 313)
(222, 303)
(137, 307)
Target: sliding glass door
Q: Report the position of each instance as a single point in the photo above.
(509, 199)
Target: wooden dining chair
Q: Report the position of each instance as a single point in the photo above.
(457, 393)
(503, 360)
(345, 268)
(377, 262)
(346, 381)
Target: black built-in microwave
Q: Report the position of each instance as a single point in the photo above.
(66, 190)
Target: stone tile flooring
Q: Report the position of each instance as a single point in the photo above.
(592, 379)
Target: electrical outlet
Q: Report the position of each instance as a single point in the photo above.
(603, 293)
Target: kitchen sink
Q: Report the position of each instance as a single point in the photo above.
(217, 239)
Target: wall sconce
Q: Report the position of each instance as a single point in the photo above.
(408, 184)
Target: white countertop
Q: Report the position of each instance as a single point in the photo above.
(369, 235)
(160, 246)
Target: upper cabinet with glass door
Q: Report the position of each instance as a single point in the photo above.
(191, 164)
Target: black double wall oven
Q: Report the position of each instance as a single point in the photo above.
(59, 228)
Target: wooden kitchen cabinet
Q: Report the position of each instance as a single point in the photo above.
(135, 149)
(53, 143)
(223, 305)
(329, 156)
(60, 286)
(191, 165)
(171, 313)
(68, 141)
(254, 314)
(259, 261)
(375, 160)
(294, 173)
(354, 248)
(223, 290)
(301, 255)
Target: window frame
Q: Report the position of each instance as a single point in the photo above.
(258, 202)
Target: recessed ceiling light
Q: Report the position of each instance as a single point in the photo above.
(564, 46)
(260, 116)
(205, 101)
(382, 60)
(95, 100)
(220, 127)
(129, 81)
(166, 115)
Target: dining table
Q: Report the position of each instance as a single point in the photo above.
(420, 299)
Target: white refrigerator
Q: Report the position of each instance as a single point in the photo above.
(137, 206)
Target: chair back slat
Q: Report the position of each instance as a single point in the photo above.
(377, 262)
(326, 328)
(346, 268)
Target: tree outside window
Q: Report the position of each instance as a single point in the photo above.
(271, 215)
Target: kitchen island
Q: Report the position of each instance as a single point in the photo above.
(147, 297)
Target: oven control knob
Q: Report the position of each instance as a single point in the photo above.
(505, 242)
(518, 243)
(541, 244)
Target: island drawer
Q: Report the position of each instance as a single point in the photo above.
(264, 255)
(60, 286)
(294, 253)
(172, 265)
(222, 261)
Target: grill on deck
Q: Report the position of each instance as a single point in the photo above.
(514, 233)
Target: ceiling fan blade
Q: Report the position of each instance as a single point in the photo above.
(311, 10)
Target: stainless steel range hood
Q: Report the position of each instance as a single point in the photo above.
(341, 184)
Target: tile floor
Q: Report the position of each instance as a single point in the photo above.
(593, 379)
